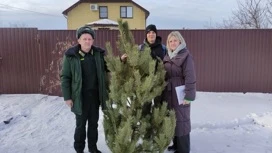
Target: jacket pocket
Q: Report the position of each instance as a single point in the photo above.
(182, 113)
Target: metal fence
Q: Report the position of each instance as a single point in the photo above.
(225, 60)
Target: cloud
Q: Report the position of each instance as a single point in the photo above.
(187, 13)
(34, 13)
(165, 14)
(27, 19)
(54, 7)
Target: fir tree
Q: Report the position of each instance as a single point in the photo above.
(133, 86)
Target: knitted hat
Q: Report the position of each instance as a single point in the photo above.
(151, 27)
(84, 29)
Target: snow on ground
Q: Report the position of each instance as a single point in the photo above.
(221, 123)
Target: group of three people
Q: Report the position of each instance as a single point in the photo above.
(84, 88)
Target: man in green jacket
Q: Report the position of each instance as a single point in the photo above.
(84, 87)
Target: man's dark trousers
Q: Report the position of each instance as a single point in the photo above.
(90, 114)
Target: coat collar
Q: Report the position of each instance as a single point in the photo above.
(179, 59)
(73, 51)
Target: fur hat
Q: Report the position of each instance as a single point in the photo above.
(85, 29)
(151, 27)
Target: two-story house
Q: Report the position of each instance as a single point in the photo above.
(105, 13)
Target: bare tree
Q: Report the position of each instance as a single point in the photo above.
(50, 81)
(269, 12)
(251, 14)
(228, 24)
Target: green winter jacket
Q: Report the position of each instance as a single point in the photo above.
(71, 77)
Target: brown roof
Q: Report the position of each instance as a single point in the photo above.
(65, 12)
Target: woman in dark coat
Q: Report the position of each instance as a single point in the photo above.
(180, 72)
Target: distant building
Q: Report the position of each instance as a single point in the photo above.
(105, 13)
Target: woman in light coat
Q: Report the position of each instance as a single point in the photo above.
(180, 72)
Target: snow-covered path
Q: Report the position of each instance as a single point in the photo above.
(221, 123)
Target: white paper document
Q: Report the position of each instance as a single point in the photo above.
(180, 93)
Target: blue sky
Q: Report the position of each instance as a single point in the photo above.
(166, 14)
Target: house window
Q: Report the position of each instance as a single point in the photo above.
(103, 12)
(126, 12)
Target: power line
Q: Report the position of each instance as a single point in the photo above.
(8, 6)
